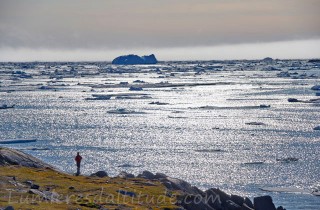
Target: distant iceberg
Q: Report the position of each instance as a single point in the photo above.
(135, 60)
(268, 60)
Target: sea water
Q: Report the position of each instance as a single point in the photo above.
(202, 134)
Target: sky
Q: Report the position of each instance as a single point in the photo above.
(82, 30)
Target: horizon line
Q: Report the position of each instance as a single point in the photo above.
(159, 61)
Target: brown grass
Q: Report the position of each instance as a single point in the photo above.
(80, 192)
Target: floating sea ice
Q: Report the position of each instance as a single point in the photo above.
(17, 141)
(255, 123)
(124, 111)
(316, 87)
(317, 128)
(288, 159)
(135, 88)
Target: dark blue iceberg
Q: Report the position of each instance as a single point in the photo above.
(135, 60)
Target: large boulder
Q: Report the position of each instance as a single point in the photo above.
(230, 205)
(179, 184)
(135, 60)
(263, 203)
(244, 202)
(146, 175)
(160, 176)
(100, 174)
(172, 183)
(192, 202)
(248, 203)
(246, 207)
(16, 157)
(125, 175)
(213, 199)
(222, 195)
(237, 199)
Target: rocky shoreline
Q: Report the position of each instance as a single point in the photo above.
(183, 194)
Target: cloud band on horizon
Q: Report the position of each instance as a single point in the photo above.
(115, 25)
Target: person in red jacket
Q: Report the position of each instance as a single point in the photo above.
(78, 159)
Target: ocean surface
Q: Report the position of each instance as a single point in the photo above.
(212, 127)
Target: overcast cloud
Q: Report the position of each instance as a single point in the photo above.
(153, 24)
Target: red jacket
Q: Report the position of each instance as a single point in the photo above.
(78, 158)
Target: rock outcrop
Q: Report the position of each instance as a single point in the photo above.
(264, 203)
(189, 197)
(135, 60)
(16, 157)
(212, 199)
(100, 174)
(125, 175)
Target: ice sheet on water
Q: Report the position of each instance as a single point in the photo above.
(166, 139)
(286, 190)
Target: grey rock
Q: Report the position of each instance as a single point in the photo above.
(160, 176)
(178, 184)
(222, 195)
(16, 157)
(146, 175)
(46, 195)
(248, 202)
(198, 191)
(52, 196)
(237, 199)
(263, 203)
(246, 207)
(125, 175)
(230, 205)
(123, 192)
(213, 199)
(29, 182)
(100, 174)
(34, 186)
(168, 185)
(193, 202)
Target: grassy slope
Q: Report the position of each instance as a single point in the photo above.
(88, 191)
